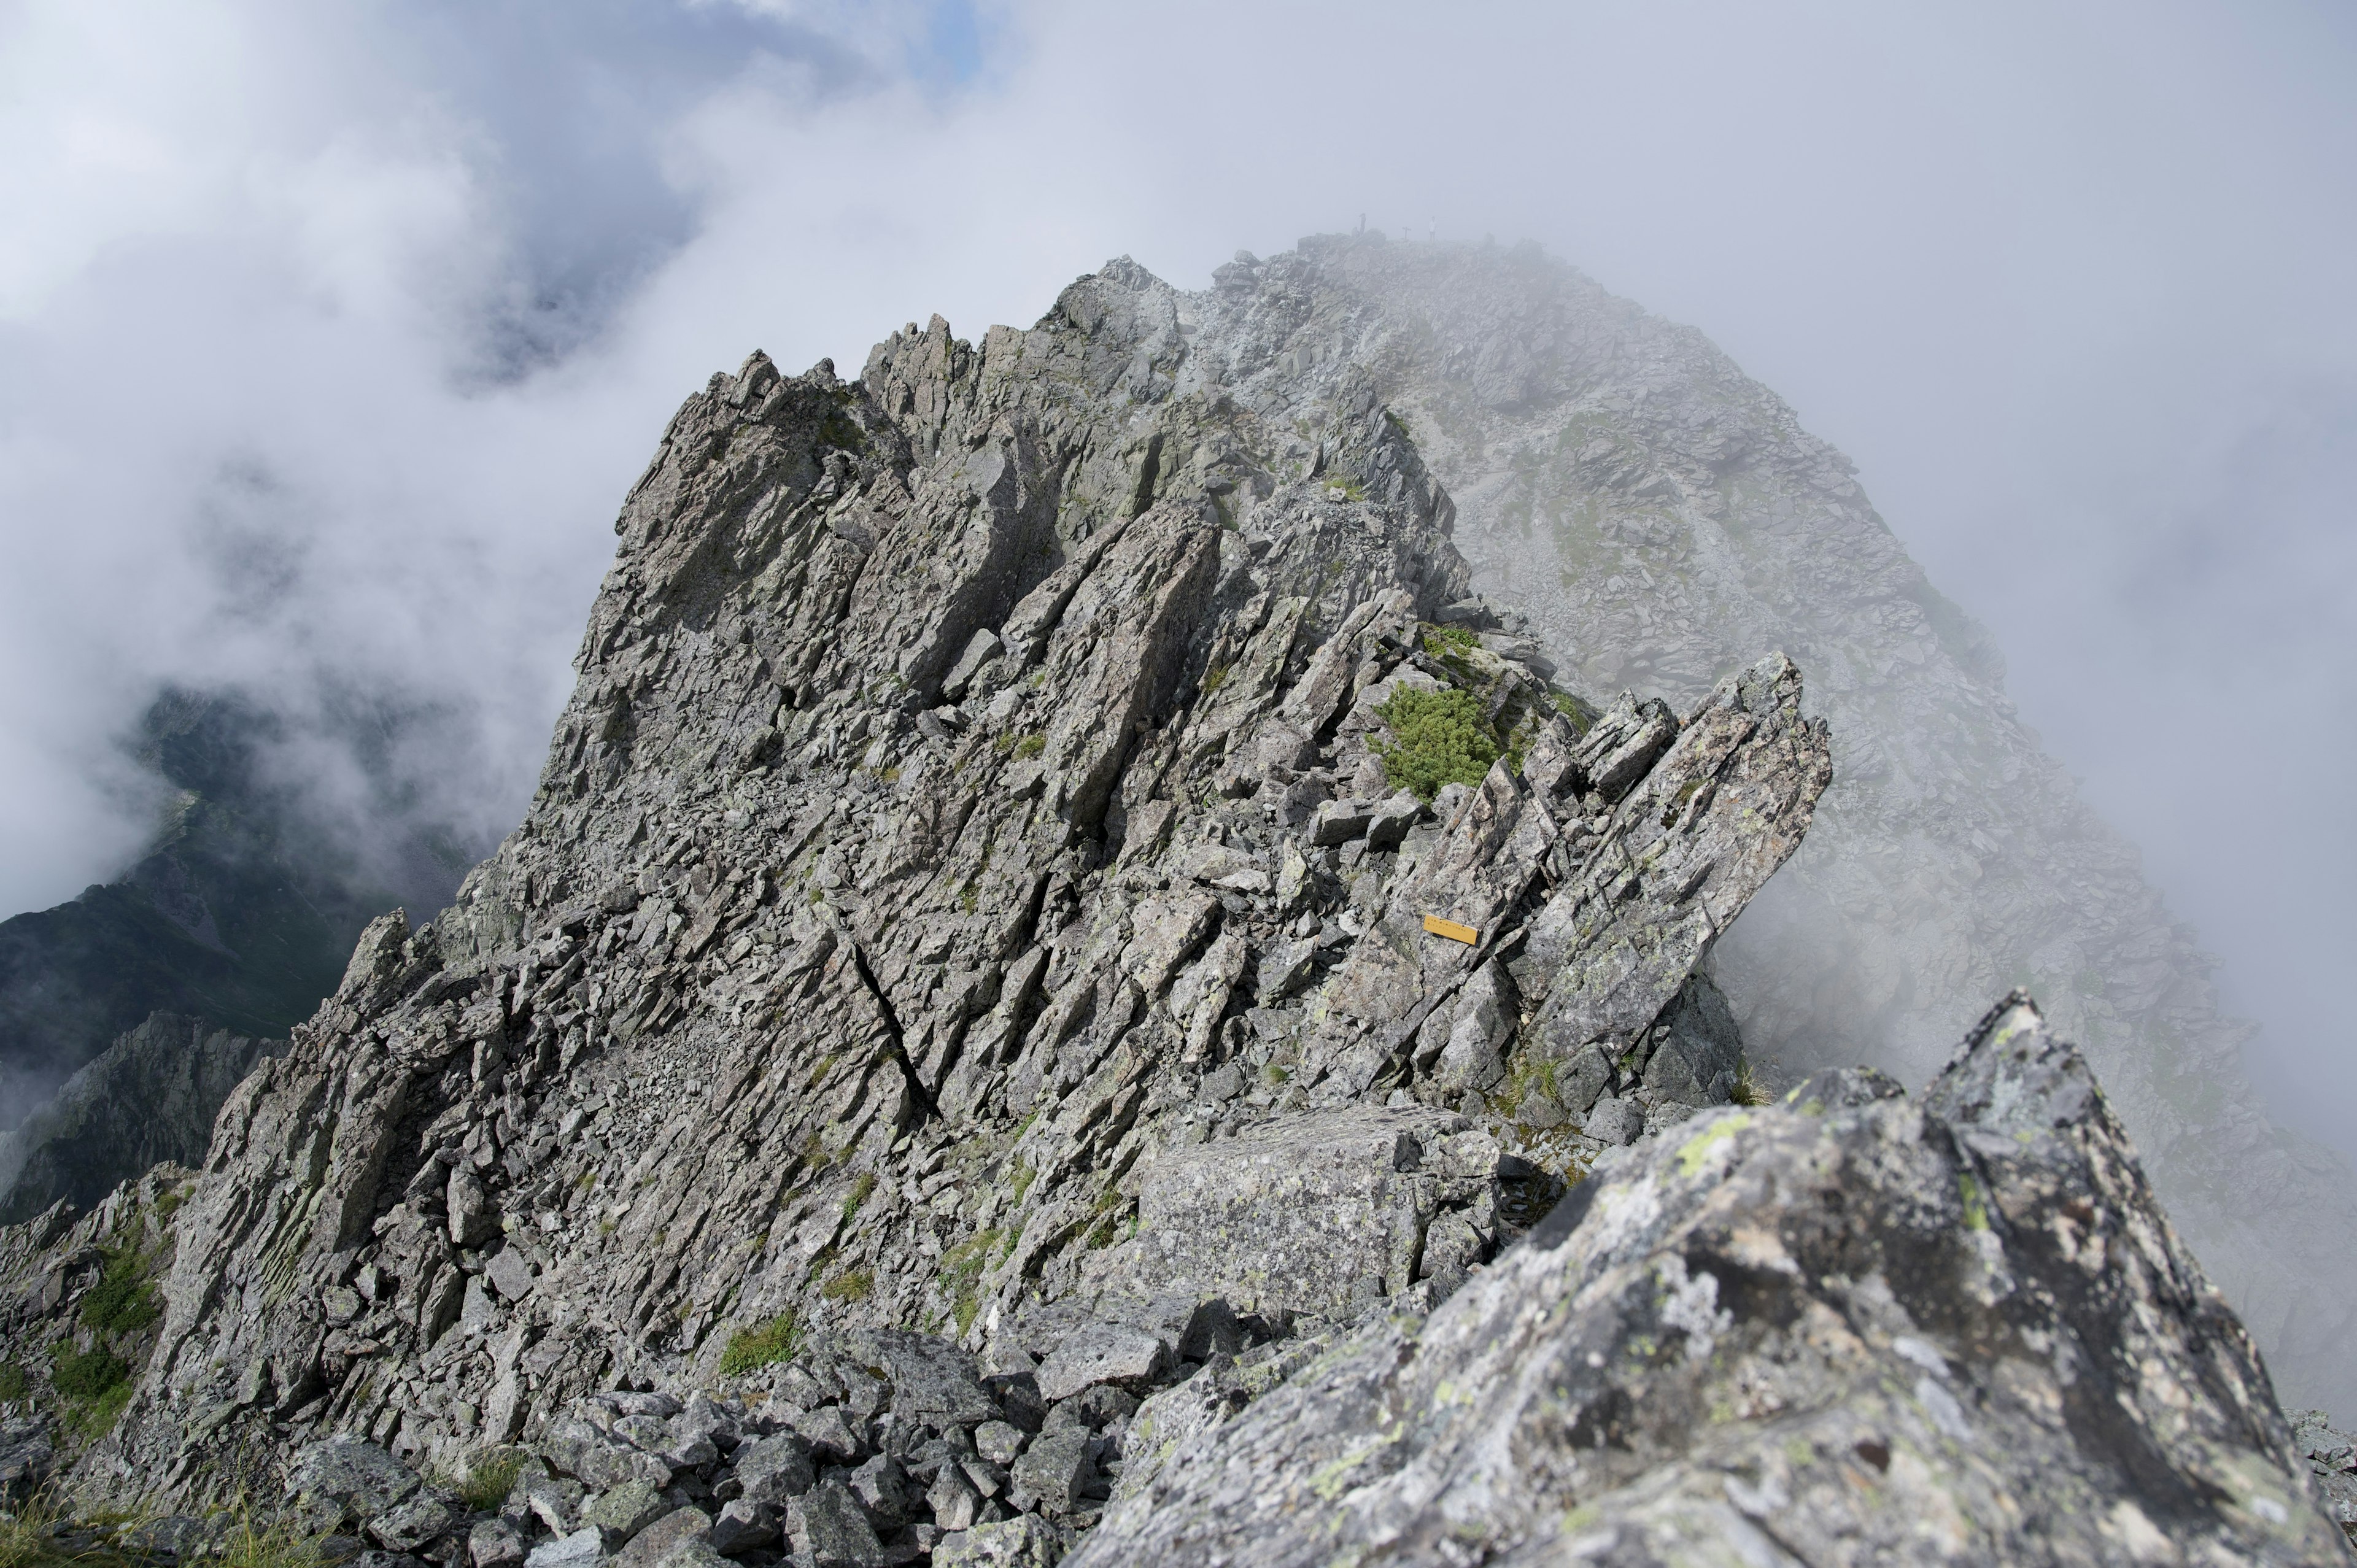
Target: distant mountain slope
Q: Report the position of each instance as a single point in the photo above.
(148, 1098)
(239, 913)
(1661, 517)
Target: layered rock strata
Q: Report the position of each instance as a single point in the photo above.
(969, 848)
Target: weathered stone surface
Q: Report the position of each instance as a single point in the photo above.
(1101, 1353)
(1019, 1542)
(776, 1469)
(1849, 1327)
(495, 1543)
(828, 1527)
(347, 1480)
(582, 1548)
(2332, 1460)
(743, 1526)
(677, 1528)
(625, 1510)
(1320, 1213)
(1053, 1471)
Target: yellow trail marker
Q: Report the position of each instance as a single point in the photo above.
(1451, 929)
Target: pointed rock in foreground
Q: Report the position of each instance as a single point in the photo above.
(1847, 1327)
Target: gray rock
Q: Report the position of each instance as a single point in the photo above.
(27, 1458)
(1389, 822)
(583, 1549)
(953, 1498)
(744, 1526)
(1298, 1215)
(932, 1379)
(1339, 821)
(830, 1434)
(998, 1442)
(510, 1274)
(1695, 1050)
(625, 1510)
(882, 1489)
(2006, 1208)
(1615, 1120)
(774, 1470)
(347, 1480)
(1053, 1471)
(677, 1530)
(413, 1525)
(1100, 1353)
(474, 1218)
(1023, 1541)
(827, 1526)
(495, 1543)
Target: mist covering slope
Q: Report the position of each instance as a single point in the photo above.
(1656, 514)
(240, 912)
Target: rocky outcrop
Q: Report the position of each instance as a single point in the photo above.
(1653, 518)
(1057, 951)
(2331, 1457)
(983, 821)
(1848, 1328)
(148, 1100)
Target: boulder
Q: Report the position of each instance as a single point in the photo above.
(1847, 1327)
(1320, 1213)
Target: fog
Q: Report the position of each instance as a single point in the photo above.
(331, 336)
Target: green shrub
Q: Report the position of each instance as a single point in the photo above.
(776, 1340)
(1438, 738)
(1438, 641)
(121, 1301)
(13, 1385)
(88, 1374)
(93, 1418)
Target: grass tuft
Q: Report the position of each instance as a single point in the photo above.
(487, 1485)
(1747, 1091)
(852, 1284)
(121, 1301)
(779, 1340)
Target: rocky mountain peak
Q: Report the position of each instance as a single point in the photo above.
(1051, 915)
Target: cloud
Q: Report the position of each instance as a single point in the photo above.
(334, 335)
